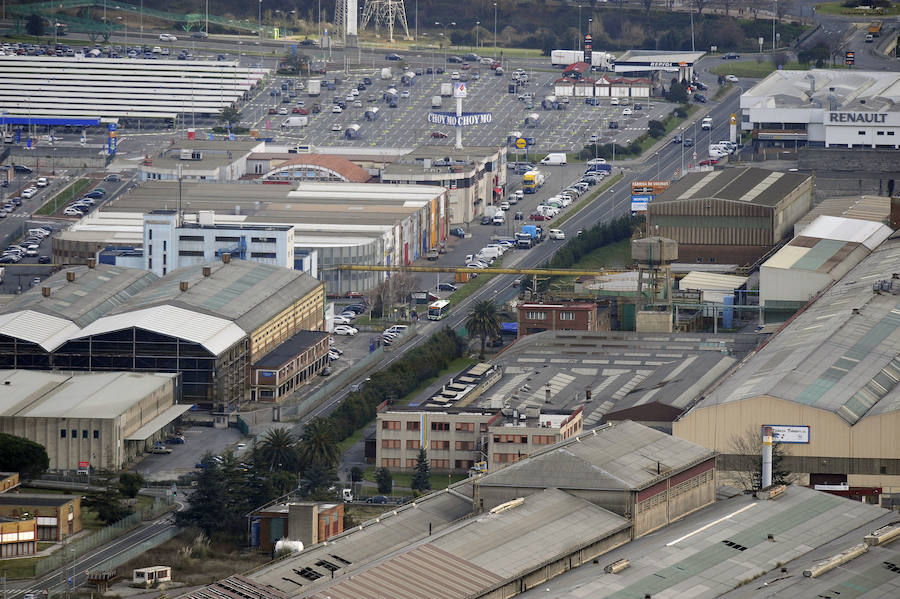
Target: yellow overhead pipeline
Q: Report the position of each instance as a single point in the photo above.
(546, 272)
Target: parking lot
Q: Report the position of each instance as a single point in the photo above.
(407, 125)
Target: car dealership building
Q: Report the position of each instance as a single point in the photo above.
(824, 108)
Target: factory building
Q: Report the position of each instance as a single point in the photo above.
(827, 382)
(730, 216)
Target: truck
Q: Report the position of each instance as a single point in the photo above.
(555, 159)
(524, 241)
(314, 88)
(874, 29)
(435, 101)
(446, 90)
(599, 60)
(535, 232)
(295, 121)
(706, 124)
(532, 181)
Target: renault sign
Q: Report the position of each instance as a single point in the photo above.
(449, 119)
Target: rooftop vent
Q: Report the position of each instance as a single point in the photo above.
(92, 262)
(207, 271)
(183, 285)
(70, 275)
(45, 291)
(226, 257)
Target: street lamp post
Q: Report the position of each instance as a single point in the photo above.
(657, 166)
(259, 21)
(774, 16)
(495, 30)
(477, 26)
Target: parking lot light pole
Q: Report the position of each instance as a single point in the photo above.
(477, 25)
(657, 166)
(495, 30)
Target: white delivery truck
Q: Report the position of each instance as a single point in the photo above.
(435, 101)
(315, 87)
(295, 121)
(446, 90)
(706, 124)
(555, 159)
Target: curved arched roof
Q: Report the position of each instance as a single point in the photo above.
(340, 167)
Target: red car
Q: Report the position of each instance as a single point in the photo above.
(273, 111)
(438, 135)
(295, 110)
(710, 162)
(538, 216)
(465, 66)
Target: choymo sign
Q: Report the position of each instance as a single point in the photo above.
(466, 119)
(862, 118)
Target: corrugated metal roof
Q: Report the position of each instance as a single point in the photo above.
(213, 333)
(714, 286)
(157, 424)
(750, 185)
(872, 208)
(247, 293)
(92, 293)
(786, 257)
(834, 351)
(38, 394)
(725, 547)
(622, 456)
(42, 329)
(871, 234)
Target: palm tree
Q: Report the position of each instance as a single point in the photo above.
(317, 444)
(483, 321)
(278, 450)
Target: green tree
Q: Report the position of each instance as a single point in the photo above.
(283, 482)
(483, 322)
(656, 129)
(317, 481)
(35, 25)
(317, 444)
(108, 505)
(207, 504)
(130, 483)
(230, 115)
(384, 480)
(278, 450)
(677, 93)
(421, 480)
(18, 454)
(356, 474)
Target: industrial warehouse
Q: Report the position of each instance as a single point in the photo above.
(209, 323)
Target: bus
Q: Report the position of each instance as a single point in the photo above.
(438, 309)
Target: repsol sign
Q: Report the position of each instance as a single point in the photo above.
(851, 118)
(450, 119)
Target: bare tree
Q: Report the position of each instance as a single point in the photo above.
(744, 463)
(700, 4)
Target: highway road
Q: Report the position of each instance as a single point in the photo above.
(75, 573)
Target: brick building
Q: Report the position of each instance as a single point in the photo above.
(58, 516)
(289, 366)
(305, 521)
(560, 316)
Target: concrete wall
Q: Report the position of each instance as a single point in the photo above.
(654, 322)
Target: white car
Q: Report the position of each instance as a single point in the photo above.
(455, 76)
(343, 329)
(342, 320)
(614, 102)
(336, 127)
(504, 205)
(29, 193)
(731, 79)
(626, 111)
(42, 182)
(337, 109)
(404, 94)
(72, 212)
(167, 37)
(557, 234)
(282, 111)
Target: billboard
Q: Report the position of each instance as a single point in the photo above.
(789, 433)
(449, 119)
(459, 89)
(649, 187)
(639, 202)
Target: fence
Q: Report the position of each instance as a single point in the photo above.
(104, 535)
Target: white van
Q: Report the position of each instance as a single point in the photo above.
(706, 124)
(716, 151)
(555, 159)
(557, 234)
(489, 252)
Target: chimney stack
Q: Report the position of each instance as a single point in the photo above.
(183, 286)
(45, 291)
(767, 458)
(92, 262)
(70, 275)
(207, 271)
(226, 258)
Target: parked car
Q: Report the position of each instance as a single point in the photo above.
(343, 329)
(731, 56)
(700, 98)
(393, 57)
(731, 79)
(458, 232)
(380, 499)
(438, 135)
(447, 287)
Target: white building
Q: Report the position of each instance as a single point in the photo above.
(823, 253)
(168, 245)
(825, 107)
(200, 160)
